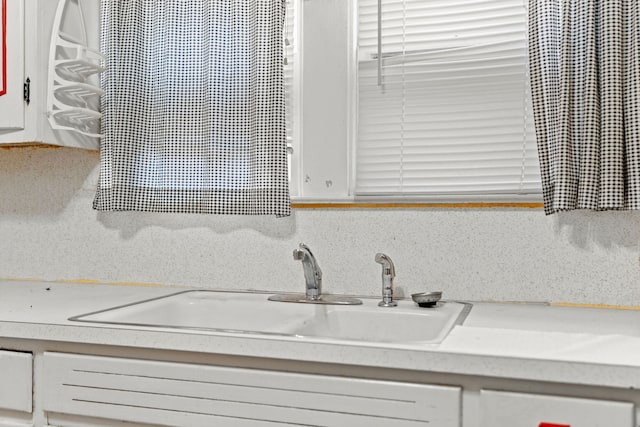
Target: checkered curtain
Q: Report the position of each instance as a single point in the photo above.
(585, 74)
(193, 111)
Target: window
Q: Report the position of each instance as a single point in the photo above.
(444, 104)
(451, 119)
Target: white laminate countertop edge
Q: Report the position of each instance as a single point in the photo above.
(583, 346)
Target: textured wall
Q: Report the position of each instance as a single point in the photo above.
(49, 231)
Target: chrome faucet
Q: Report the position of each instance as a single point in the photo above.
(313, 279)
(388, 274)
(312, 272)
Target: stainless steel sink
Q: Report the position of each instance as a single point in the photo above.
(252, 313)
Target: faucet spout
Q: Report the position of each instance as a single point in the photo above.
(388, 274)
(313, 280)
(312, 271)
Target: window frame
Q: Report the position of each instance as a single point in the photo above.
(308, 160)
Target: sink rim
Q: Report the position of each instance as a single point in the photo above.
(83, 318)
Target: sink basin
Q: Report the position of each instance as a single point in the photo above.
(405, 323)
(208, 310)
(252, 313)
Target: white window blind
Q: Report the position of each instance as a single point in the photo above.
(452, 116)
(291, 94)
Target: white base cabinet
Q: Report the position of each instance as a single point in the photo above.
(16, 371)
(534, 410)
(69, 388)
(16, 389)
(178, 394)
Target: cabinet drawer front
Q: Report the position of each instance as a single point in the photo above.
(533, 410)
(169, 393)
(17, 379)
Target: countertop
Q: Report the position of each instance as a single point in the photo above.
(520, 341)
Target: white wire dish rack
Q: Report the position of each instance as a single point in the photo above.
(73, 99)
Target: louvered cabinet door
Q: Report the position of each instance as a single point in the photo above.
(177, 394)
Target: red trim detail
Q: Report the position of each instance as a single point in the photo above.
(3, 82)
(553, 425)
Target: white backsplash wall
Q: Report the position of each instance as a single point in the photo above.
(48, 231)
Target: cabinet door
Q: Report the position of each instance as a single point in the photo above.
(170, 394)
(11, 64)
(16, 386)
(534, 410)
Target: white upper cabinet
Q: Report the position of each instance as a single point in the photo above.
(11, 64)
(53, 64)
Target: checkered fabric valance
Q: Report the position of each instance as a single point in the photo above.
(585, 78)
(193, 111)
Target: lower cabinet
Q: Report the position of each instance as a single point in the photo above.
(179, 394)
(16, 389)
(82, 390)
(533, 410)
(16, 371)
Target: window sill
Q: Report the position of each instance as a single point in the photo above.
(367, 205)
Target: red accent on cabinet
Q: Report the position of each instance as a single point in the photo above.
(553, 425)
(3, 48)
